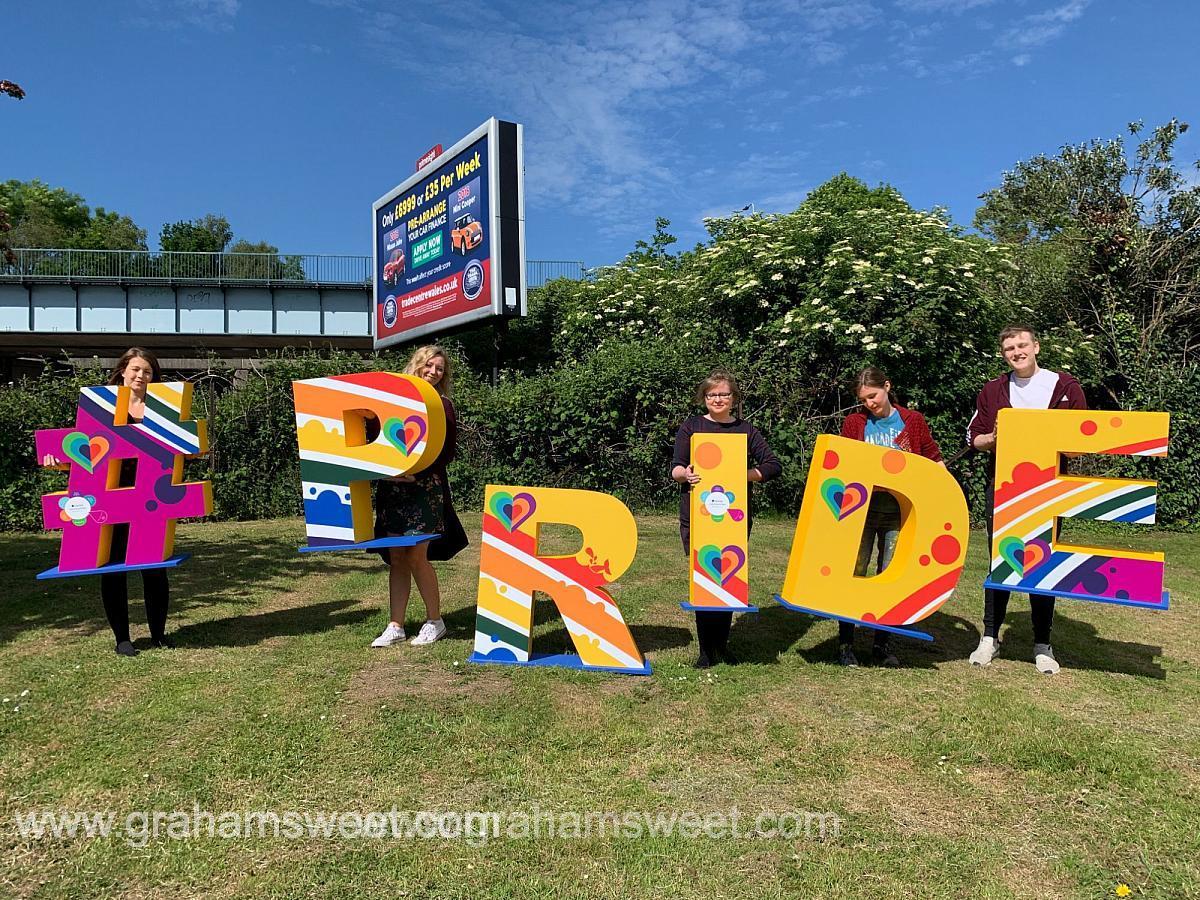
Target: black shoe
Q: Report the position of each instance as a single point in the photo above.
(727, 656)
(162, 643)
(702, 661)
(846, 656)
(125, 648)
(882, 656)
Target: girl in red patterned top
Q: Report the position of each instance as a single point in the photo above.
(880, 421)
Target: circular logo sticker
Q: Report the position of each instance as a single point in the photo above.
(389, 311)
(473, 279)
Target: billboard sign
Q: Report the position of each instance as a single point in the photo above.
(449, 242)
(429, 156)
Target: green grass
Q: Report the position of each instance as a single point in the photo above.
(949, 781)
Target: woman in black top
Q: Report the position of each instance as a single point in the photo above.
(135, 370)
(420, 504)
(720, 396)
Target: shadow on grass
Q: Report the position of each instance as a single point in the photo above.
(1079, 645)
(255, 628)
(222, 572)
(953, 638)
(762, 636)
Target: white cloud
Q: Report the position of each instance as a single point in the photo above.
(1041, 28)
(216, 15)
(941, 6)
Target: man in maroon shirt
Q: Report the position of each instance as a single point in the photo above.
(1026, 387)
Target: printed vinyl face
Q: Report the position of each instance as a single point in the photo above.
(76, 508)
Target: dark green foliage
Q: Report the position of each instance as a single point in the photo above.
(599, 375)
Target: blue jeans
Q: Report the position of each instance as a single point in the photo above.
(879, 534)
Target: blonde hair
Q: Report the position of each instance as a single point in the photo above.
(423, 355)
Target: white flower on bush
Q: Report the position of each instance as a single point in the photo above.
(856, 328)
(869, 340)
(927, 260)
(778, 276)
(870, 345)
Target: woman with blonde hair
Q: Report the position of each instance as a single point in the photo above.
(420, 504)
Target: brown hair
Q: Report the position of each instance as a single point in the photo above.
(871, 377)
(117, 376)
(1009, 331)
(715, 378)
(423, 355)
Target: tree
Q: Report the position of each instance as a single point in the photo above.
(1111, 242)
(42, 216)
(261, 261)
(209, 234)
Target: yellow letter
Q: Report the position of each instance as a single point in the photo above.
(720, 525)
(929, 552)
(1031, 495)
(511, 569)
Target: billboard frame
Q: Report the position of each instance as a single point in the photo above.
(506, 247)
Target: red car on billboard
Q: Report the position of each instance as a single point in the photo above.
(467, 234)
(394, 267)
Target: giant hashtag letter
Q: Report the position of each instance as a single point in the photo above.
(94, 451)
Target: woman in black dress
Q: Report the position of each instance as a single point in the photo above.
(420, 504)
(719, 395)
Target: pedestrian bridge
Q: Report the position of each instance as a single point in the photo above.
(88, 302)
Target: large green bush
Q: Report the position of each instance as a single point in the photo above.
(599, 375)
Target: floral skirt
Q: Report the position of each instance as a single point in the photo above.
(411, 507)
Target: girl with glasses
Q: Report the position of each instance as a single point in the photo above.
(722, 401)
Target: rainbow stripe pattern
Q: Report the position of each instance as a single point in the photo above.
(338, 463)
(93, 451)
(511, 569)
(1032, 496)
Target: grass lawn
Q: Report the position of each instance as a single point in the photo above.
(948, 781)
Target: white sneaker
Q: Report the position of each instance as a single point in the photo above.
(393, 634)
(1043, 658)
(429, 632)
(988, 649)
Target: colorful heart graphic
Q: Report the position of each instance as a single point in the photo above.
(841, 498)
(1024, 557)
(77, 448)
(732, 560)
(512, 511)
(405, 435)
(98, 448)
(1037, 552)
(1012, 551)
(414, 431)
(709, 558)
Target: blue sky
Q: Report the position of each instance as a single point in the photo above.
(291, 118)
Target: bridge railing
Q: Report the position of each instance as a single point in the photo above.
(149, 267)
(167, 266)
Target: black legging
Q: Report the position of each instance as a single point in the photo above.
(712, 631)
(995, 606)
(114, 593)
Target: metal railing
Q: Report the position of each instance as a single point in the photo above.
(163, 266)
(539, 271)
(152, 267)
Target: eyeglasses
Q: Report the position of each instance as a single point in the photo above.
(722, 396)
